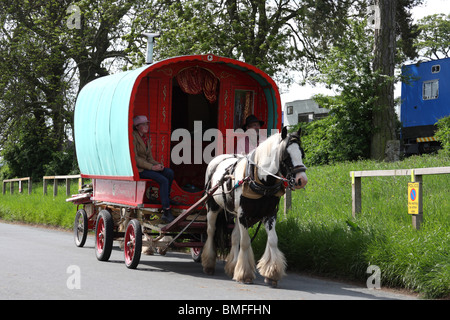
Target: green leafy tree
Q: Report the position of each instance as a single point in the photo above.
(46, 63)
(433, 41)
(345, 134)
(26, 149)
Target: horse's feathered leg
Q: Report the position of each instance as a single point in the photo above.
(209, 250)
(234, 252)
(245, 266)
(272, 264)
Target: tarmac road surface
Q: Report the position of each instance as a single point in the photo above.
(40, 263)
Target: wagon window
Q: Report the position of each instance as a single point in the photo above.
(243, 106)
(430, 90)
(436, 69)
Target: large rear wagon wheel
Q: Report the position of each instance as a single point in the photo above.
(80, 228)
(133, 244)
(104, 232)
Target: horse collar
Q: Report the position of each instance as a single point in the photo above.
(259, 188)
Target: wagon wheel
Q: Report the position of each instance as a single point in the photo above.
(133, 244)
(104, 235)
(196, 254)
(80, 228)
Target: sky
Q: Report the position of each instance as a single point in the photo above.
(297, 92)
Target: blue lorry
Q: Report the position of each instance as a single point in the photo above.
(425, 99)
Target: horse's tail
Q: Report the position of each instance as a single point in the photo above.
(222, 236)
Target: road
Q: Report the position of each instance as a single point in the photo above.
(39, 263)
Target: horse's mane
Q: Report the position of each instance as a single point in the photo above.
(267, 155)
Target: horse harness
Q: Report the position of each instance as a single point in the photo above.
(253, 188)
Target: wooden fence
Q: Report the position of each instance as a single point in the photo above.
(20, 180)
(416, 176)
(45, 181)
(55, 183)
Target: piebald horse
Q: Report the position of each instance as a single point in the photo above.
(250, 188)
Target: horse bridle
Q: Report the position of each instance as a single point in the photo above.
(286, 161)
(286, 164)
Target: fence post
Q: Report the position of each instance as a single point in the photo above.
(417, 219)
(45, 186)
(4, 187)
(67, 187)
(30, 185)
(55, 187)
(356, 195)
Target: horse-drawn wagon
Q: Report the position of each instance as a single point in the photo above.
(194, 104)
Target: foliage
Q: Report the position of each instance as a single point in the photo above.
(62, 161)
(443, 134)
(274, 36)
(433, 42)
(345, 134)
(363, 113)
(44, 65)
(27, 150)
(342, 136)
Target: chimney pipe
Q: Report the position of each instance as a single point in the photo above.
(150, 42)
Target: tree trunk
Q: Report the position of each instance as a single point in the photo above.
(384, 118)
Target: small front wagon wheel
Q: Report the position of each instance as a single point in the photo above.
(80, 228)
(196, 254)
(104, 232)
(133, 244)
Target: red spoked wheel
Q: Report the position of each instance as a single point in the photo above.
(104, 233)
(80, 228)
(133, 244)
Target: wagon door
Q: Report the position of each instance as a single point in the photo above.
(160, 114)
(237, 103)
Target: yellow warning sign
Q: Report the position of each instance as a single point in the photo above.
(413, 197)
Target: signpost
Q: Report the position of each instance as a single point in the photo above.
(413, 197)
(415, 207)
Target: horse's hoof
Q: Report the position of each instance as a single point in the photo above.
(271, 282)
(209, 271)
(248, 281)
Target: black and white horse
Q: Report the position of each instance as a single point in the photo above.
(250, 188)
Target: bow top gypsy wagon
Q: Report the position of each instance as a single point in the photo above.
(173, 94)
(191, 94)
